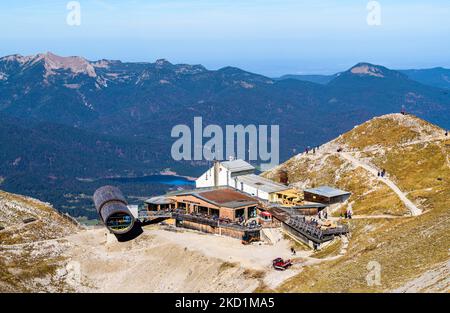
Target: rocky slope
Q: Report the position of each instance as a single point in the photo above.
(53, 255)
(31, 253)
(45, 222)
(410, 246)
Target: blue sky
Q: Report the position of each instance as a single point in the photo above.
(271, 37)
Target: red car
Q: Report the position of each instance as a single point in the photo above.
(280, 264)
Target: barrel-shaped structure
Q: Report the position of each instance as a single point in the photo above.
(112, 209)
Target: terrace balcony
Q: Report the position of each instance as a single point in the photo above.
(214, 221)
(314, 231)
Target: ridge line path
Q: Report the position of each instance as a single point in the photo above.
(413, 142)
(415, 211)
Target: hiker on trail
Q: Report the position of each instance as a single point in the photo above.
(314, 150)
(446, 133)
(350, 213)
(379, 174)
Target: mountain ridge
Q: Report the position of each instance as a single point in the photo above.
(435, 77)
(415, 155)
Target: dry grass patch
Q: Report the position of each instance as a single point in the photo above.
(253, 274)
(226, 266)
(332, 249)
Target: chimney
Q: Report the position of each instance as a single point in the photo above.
(216, 173)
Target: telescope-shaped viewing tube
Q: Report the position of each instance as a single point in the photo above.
(112, 208)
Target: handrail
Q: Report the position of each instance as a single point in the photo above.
(212, 222)
(313, 231)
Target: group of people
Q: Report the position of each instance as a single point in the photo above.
(314, 222)
(348, 213)
(307, 149)
(382, 173)
(323, 214)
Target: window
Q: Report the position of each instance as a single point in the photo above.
(215, 212)
(251, 212)
(239, 213)
(202, 210)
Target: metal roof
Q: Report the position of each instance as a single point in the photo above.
(309, 206)
(327, 191)
(159, 200)
(237, 166)
(261, 183)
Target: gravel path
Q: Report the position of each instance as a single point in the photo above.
(414, 210)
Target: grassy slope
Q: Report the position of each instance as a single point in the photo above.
(404, 247)
(29, 263)
(48, 225)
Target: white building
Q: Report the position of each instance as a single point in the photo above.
(240, 175)
(223, 173)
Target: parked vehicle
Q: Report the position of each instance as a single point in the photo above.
(280, 264)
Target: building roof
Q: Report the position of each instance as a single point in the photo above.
(219, 196)
(327, 191)
(159, 200)
(227, 197)
(309, 206)
(237, 166)
(261, 183)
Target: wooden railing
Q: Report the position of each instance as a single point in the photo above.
(312, 230)
(214, 222)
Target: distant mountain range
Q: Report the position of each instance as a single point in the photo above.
(436, 77)
(66, 118)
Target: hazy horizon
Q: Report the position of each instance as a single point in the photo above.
(268, 37)
(243, 68)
